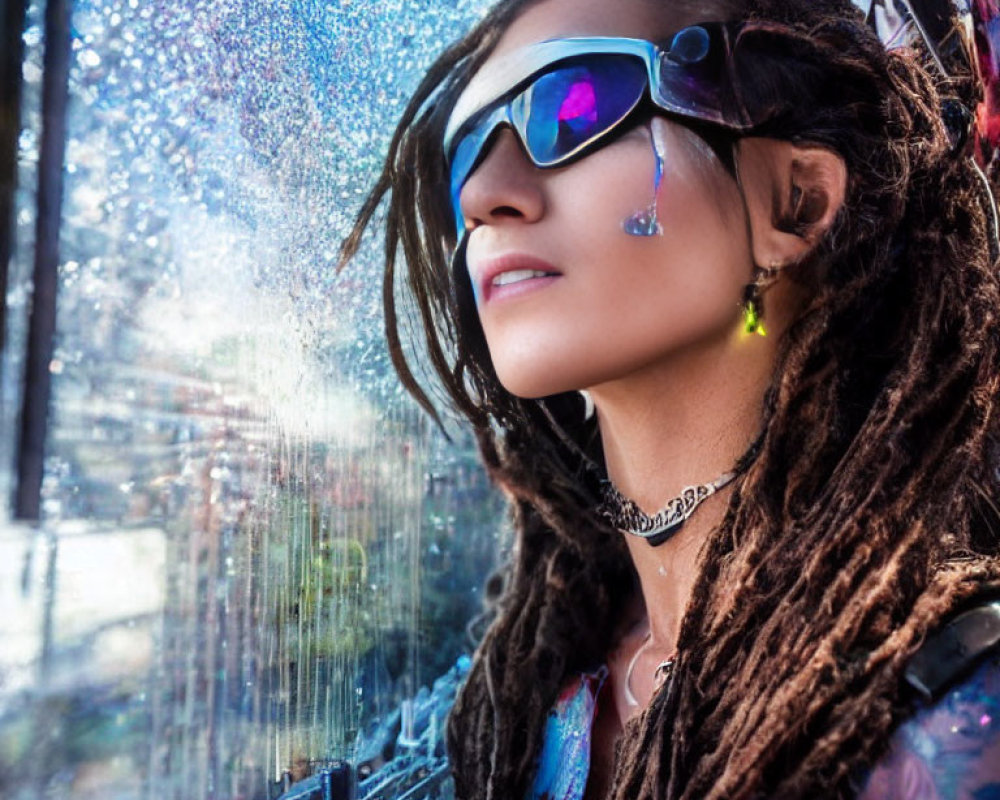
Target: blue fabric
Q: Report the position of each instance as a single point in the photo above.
(564, 764)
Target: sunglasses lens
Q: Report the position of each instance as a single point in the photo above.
(573, 105)
(462, 163)
(559, 114)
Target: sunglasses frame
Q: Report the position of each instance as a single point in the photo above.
(495, 97)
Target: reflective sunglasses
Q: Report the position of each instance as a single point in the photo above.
(565, 97)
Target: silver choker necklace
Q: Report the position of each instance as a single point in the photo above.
(627, 517)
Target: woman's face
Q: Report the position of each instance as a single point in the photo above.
(619, 303)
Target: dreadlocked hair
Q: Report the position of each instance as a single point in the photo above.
(867, 511)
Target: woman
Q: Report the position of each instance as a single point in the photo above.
(764, 257)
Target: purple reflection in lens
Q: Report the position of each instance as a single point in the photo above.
(580, 104)
(646, 222)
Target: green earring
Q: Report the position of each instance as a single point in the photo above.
(753, 312)
(753, 301)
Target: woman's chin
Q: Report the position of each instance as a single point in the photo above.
(534, 385)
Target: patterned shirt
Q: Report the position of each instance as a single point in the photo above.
(948, 750)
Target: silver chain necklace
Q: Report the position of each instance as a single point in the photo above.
(627, 517)
(662, 674)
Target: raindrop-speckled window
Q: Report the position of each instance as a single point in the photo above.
(233, 553)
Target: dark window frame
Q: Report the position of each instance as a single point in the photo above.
(36, 388)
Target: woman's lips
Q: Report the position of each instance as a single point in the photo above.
(513, 275)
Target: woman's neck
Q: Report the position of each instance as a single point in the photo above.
(682, 422)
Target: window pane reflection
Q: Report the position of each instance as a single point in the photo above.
(253, 543)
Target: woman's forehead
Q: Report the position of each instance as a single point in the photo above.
(636, 19)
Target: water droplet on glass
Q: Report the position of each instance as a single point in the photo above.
(88, 58)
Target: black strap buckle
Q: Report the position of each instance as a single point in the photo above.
(952, 651)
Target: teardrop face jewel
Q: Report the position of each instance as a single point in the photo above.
(647, 222)
(627, 517)
(643, 223)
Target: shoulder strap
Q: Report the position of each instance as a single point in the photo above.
(954, 649)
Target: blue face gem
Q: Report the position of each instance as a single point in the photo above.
(690, 45)
(646, 222)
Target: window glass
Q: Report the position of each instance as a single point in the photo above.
(253, 543)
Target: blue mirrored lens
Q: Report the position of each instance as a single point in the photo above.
(467, 154)
(557, 115)
(573, 106)
(462, 163)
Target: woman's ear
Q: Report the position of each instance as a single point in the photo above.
(792, 193)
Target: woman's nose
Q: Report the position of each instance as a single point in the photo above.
(505, 186)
